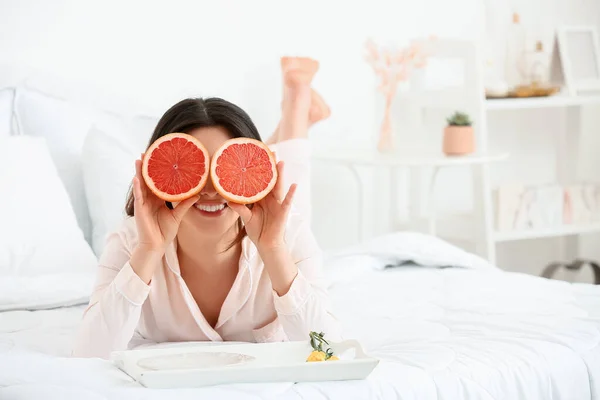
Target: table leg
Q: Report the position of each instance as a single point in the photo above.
(361, 203)
(432, 204)
(393, 196)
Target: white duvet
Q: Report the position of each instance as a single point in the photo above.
(440, 333)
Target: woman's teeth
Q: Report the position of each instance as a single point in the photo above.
(210, 208)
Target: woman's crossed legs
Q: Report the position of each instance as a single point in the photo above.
(301, 107)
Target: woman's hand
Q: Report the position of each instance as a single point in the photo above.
(265, 221)
(156, 224)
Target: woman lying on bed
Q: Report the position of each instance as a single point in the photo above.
(236, 274)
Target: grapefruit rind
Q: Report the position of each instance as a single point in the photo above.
(150, 183)
(230, 196)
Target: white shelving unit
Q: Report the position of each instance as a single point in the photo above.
(566, 165)
(471, 97)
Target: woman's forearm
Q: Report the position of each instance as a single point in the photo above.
(144, 262)
(301, 304)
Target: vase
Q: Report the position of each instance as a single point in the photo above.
(516, 45)
(458, 140)
(536, 64)
(386, 139)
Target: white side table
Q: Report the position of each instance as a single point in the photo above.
(353, 159)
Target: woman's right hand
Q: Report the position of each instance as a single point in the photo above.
(156, 224)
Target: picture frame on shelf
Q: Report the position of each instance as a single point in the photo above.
(579, 52)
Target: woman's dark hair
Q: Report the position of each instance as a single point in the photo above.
(193, 113)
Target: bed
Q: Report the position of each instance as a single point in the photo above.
(444, 323)
(440, 333)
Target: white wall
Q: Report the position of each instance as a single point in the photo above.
(156, 52)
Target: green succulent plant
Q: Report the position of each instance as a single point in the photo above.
(459, 119)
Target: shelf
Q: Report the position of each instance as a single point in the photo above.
(558, 100)
(356, 157)
(565, 230)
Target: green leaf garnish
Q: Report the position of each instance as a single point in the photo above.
(316, 342)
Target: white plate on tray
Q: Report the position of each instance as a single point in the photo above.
(207, 364)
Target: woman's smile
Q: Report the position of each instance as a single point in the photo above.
(212, 209)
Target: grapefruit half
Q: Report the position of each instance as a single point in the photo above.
(243, 170)
(175, 167)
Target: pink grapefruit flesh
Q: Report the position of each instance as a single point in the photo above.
(175, 167)
(243, 170)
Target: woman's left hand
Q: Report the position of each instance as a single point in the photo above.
(265, 221)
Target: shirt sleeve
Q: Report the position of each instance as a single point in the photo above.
(306, 306)
(115, 306)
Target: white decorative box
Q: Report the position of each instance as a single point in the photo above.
(582, 204)
(521, 207)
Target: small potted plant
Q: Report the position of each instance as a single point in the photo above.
(459, 138)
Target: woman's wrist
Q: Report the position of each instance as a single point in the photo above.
(280, 266)
(144, 261)
(271, 249)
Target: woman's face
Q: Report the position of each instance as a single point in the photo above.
(210, 212)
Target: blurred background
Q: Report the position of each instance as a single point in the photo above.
(137, 58)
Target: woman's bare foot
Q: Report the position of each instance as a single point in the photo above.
(298, 71)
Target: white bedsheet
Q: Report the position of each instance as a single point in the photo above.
(440, 333)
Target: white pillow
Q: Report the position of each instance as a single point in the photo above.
(39, 236)
(45, 291)
(398, 248)
(64, 126)
(6, 111)
(109, 154)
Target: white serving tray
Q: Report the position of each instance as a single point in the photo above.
(206, 364)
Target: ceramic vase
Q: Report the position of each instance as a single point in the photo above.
(385, 143)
